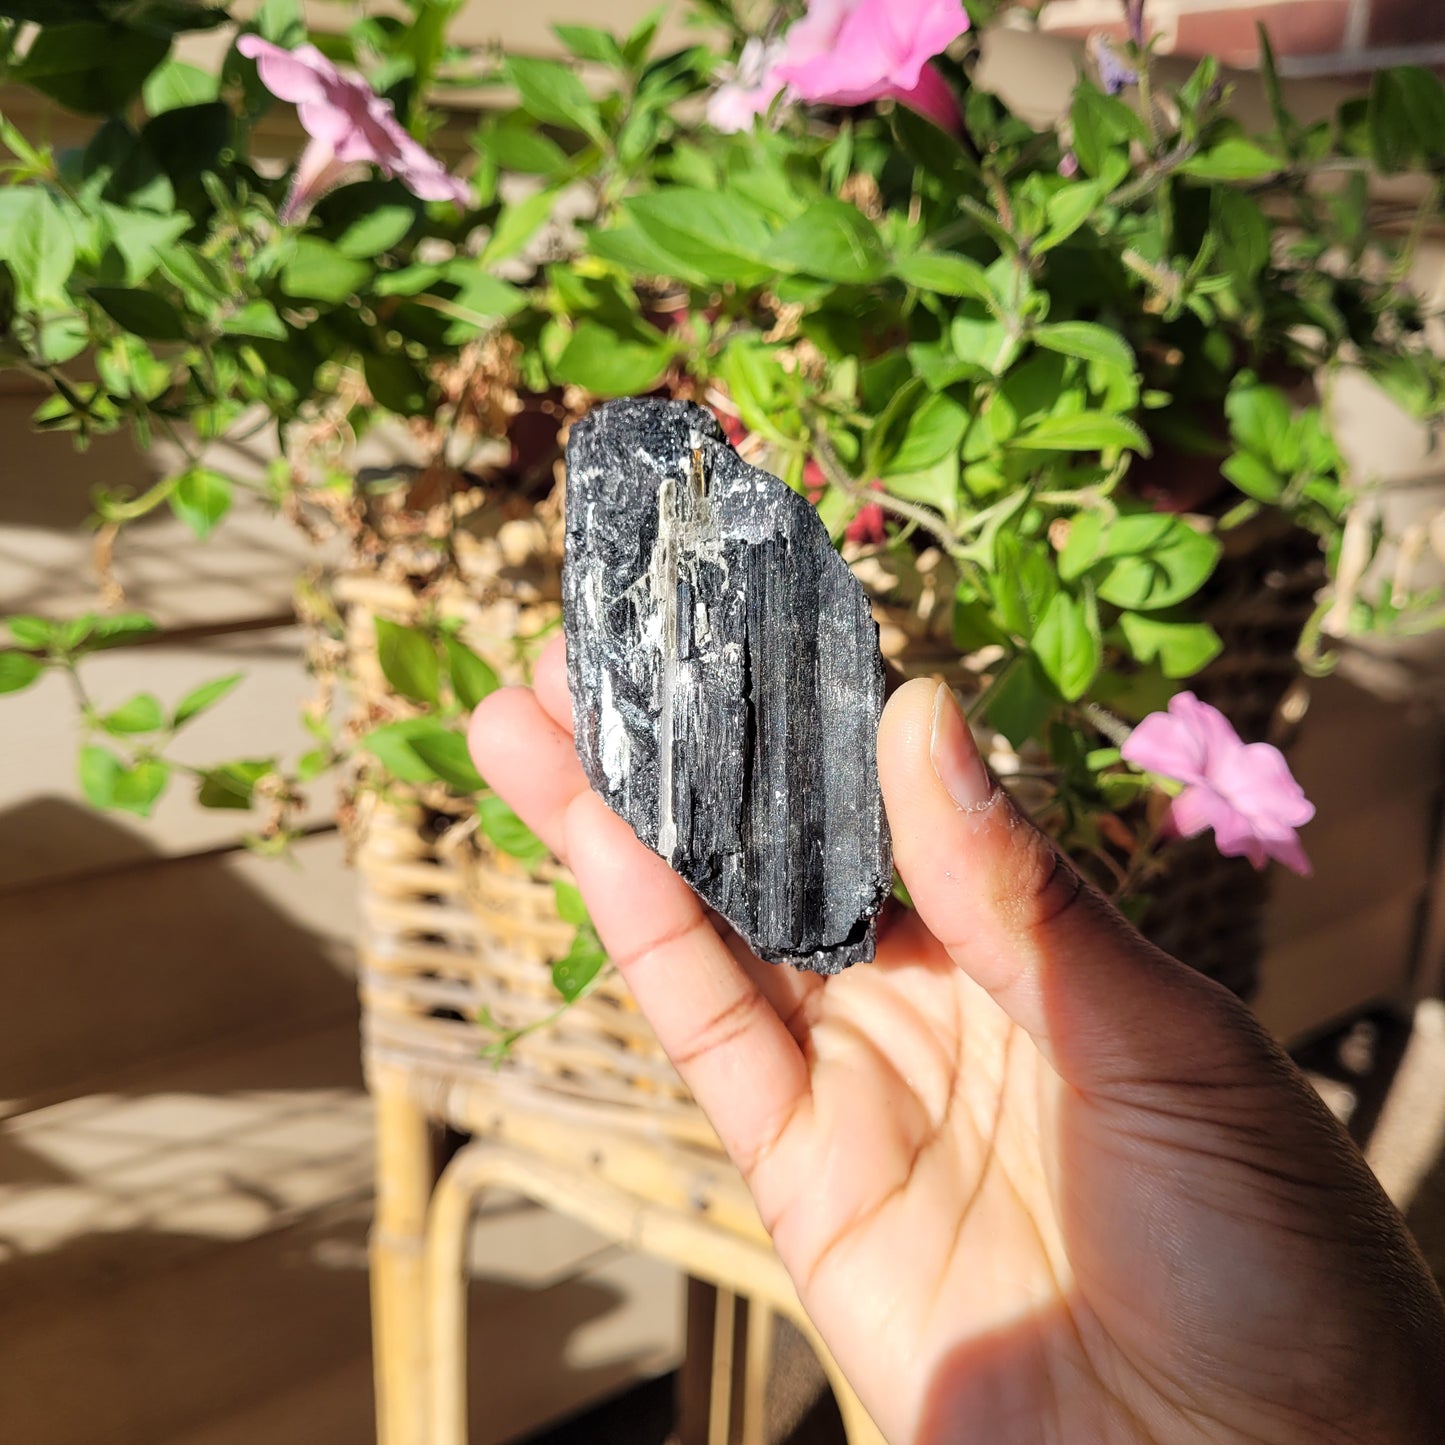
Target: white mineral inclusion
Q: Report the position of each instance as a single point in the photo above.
(616, 746)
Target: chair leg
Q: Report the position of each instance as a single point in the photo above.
(726, 1353)
(694, 1377)
(398, 1237)
(453, 1200)
(757, 1365)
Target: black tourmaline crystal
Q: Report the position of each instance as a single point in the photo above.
(726, 680)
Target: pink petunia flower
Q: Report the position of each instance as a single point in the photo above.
(1244, 791)
(847, 52)
(349, 125)
(753, 88)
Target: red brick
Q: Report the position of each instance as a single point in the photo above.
(1406, 22)
(1296, 27)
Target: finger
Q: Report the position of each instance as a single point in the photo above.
(787, 989)
(549, 680)
(1104, 1005)
(716, 1025)
(528, 760)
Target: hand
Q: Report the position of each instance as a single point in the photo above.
(1035, 1181)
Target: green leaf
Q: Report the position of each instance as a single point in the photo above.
(376, 231)
(1088, 342)
(1083, 546)
(1068, 644)
(597, 358)
(141, 312)
(282, 22)
(1406, 118)
(722, 238)
(833, 240)
(187, 142)
(1067, 209)
(582, 963)
(1243, 233)
(232, 785)
(1232, 159)
(41, 253)
(587, 42)
(1085, 431)
(396, 383)
(391, 745)
(201, 498)
(1170, 566)
(199, 699)
(137, 789)
(1260, 419)
(317, 271)
(1025, 583)
(516, 225)
(570, 906)
(636, 47)
(99, 771)
(62, 338)
(256, 318)
(1254, 477)
(176, 84)
(508, 832)
(312, 764)
(1102, 127)
(935, 486)
(117, 631)
(445, 753)
(408, 661)
(70, 635)
(142, 714)
(472, 677)
(94, 69)
(18, 670)
(1020, 705)
(983, 342)
(32, 632)
(522, 148)
(948, 275)
(933, 431)
(141, 238)
(553, 93)
(1180, 648)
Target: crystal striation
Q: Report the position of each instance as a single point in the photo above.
(726, 680)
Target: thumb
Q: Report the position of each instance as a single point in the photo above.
(1106, 1007)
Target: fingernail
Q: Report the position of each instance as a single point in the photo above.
(953, 754)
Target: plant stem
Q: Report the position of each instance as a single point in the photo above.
(838, 476)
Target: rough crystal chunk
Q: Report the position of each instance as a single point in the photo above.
(726, 680)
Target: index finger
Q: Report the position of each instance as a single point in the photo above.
(713, 1020)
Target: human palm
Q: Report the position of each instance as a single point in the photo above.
(1034, 1181)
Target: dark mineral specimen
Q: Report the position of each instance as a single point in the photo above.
(726, 680)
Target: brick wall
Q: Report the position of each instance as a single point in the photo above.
(1311, 37)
